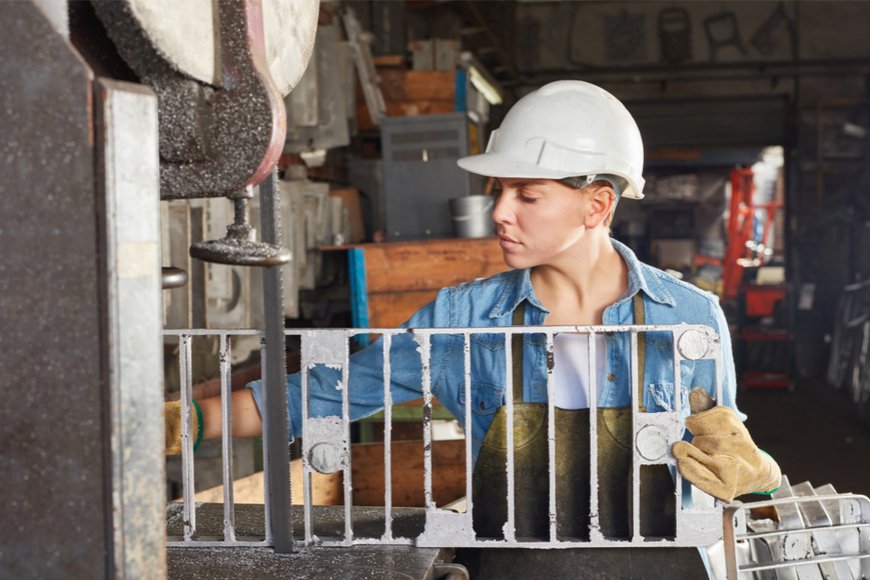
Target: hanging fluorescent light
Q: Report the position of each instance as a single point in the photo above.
(489, 92)
(481, 79)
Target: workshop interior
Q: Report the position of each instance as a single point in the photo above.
(197, 195)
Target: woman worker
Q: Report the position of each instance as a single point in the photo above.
(562, 158)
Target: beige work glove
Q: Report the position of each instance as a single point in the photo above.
(722, 460)
(172, 421)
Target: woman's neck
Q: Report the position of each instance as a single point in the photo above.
(577, 287)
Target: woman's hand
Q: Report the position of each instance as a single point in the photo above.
(722, 460)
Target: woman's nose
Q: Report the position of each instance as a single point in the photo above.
(502, 212)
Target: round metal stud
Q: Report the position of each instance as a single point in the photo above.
(693, 344)
(652, 442)
(325, 457)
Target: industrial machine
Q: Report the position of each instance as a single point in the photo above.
(109, 108)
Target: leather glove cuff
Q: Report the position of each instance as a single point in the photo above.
(198, 441)
(775, 479)
(173, 424)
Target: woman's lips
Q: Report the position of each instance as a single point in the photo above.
(508, 243)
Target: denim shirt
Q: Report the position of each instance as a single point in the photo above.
(491, 302)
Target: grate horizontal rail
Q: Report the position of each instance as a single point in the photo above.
(326, 441)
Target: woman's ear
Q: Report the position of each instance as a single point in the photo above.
(599, 206)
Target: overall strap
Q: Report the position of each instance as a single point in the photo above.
(640, 318)
(517, 351)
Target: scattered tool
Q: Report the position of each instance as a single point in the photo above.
(723, 31)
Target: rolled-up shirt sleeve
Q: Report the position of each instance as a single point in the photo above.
(366, 374)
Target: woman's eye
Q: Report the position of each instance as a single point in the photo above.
(530, 198)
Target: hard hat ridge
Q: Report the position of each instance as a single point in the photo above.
(565, 129)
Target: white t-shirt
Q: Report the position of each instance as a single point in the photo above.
(571, 369)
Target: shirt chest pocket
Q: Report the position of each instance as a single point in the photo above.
(663, 397)
(661, 394)
(485, 399)
(487, 361)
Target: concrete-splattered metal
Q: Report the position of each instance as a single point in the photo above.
(52, 425)
(653, 434)
(359, 562)
(213, 140)
(128, 193)
(81, 465)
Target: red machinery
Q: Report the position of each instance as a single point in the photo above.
(743, 249)
(757, 343)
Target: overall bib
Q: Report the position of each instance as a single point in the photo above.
(531, 487)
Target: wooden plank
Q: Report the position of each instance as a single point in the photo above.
(325, 490)
(367, 459)
(391, 309)
(431, 264)
(448, 473)
(403, 276)
(403, 108)
(394, 60)
(410, 85)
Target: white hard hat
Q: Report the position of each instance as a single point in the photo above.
(565, 129)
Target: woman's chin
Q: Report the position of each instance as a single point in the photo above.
(515, 262)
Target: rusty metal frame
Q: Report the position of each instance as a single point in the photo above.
(326, 441)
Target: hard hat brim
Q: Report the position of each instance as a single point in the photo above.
(500, 165)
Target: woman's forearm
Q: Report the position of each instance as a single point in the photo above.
(246, 417)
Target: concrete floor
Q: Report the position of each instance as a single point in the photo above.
(814, 432)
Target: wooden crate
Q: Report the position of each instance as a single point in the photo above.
(400, 277)
(411, 93)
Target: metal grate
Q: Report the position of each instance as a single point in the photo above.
(801, 533)
(326, 440)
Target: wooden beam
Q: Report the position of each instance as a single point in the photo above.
(367, 459)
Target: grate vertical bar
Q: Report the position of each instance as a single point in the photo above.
(551, 433)
(275, 371)
(510, 525)
(267, 521)
(592, 381)
(187, 438)
(717, 360)
(635, 464)
(469, 458)
(388, 441)
(345, 417)
(227, 438)
(425, 354)
(678, 405)
(306, 466)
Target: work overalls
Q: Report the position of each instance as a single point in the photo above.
(531, 485)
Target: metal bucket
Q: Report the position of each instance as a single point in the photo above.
(472, 216)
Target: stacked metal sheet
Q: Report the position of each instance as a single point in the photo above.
(849, 364)
(801, 533)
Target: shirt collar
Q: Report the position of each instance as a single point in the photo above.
(519, 287)
(641, 277)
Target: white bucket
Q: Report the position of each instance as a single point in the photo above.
(472, 216)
